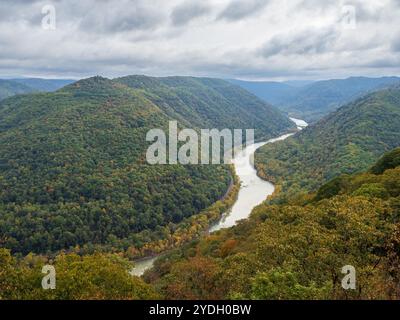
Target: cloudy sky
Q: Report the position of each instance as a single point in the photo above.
(246, 39)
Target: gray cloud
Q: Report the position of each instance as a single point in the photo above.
(366, 13)
(187, 11)
(240, 9)
(390, 62)
(396, 44)
(193, 37)
(129, 16)
(315, 5)
(307, 42)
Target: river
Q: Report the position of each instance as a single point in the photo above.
(253, 191)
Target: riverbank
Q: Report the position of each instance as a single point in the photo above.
(193, 227)
(249, 190)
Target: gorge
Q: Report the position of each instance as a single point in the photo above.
(253, 191)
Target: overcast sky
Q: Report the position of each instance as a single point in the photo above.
(246, 39)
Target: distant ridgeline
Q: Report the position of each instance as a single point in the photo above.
(296, 250)
(313, 100)
(73, 173)
(347, 141)
(12, 87)
(9, 88)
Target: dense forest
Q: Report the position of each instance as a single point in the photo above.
(347, 141)
(76, 192)
(210, 103)
(296, 250)
(318, 99)
(97, 276)
(73, 173)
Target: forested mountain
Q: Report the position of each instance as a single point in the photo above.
(347, 141)
(210, 103)
(9, 88)
(297, 250)
(320, 98)
(72, 163)
(44, 85)
(313, 101)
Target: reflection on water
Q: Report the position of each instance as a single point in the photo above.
(142, 265)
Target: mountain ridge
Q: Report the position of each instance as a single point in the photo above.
(9, 88)
(313, 101)
(344, 142)
(72, 163)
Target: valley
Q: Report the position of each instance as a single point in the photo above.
(73, 164)
(295, 250)
(92, 198)
(253, 191)
(346, 141)
(313, 100)
(195, 157)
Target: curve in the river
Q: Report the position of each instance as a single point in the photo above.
(253, 191)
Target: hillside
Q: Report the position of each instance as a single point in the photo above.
(313, 101)
(211, 103)
(44, 85)
(73, 171)
(347, 141)
(90, 277)
(9, 88)
(297, 251)
(320, 98)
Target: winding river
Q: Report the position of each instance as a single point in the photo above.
(253, 191)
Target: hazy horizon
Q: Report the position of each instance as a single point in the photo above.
(294, 80)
